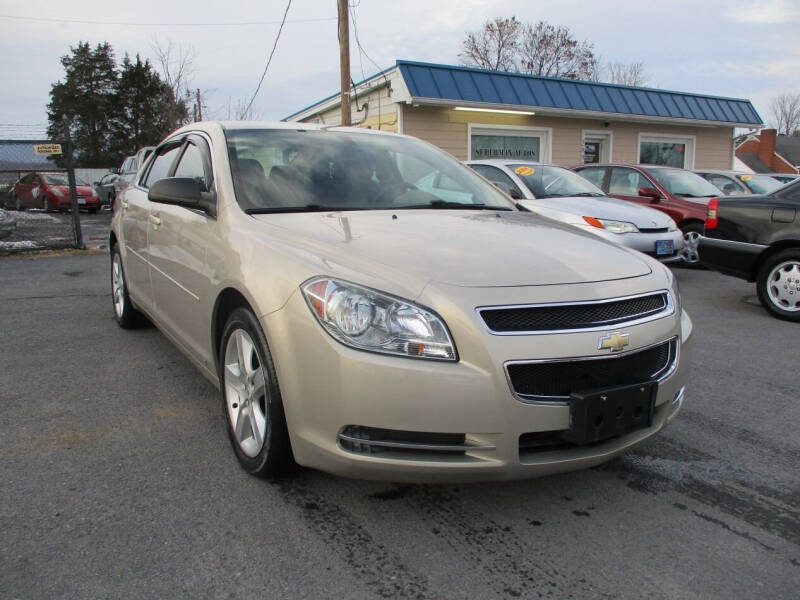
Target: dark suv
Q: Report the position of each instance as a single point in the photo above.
(681, 194)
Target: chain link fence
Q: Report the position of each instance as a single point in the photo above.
(36, 205)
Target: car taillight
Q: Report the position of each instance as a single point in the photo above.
(711, 215)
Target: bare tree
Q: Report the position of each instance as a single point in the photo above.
(238, 111)
(493, 47)
(177, 68)
(553, 51)
(632, 73)
(786, 113)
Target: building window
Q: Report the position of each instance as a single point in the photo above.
(514, 143)
(596, 146)
(670, 151)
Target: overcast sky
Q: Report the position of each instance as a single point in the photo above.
(744, 49)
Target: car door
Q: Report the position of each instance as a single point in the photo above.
(179, 239)
(134, 219)
(24, 191)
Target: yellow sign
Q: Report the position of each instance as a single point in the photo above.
(746, 177)
(524, 171)
(47, 148)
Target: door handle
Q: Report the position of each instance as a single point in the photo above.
(155, 220)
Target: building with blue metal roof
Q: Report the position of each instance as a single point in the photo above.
(476, 113)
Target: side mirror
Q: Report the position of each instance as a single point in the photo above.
(114, 170)
(511, 191)
(183, 191)
(95, 183)
(649, 192)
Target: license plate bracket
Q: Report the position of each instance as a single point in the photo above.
(664, 247)
(597, 415)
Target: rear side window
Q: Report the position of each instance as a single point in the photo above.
(594, 175)
(161, 165)
(626, 182)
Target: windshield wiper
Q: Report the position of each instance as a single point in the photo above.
(449, 204)
(586, 194)
(305, 208)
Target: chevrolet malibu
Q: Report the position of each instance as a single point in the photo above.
(358, 324)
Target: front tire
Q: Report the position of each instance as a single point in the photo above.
(251, 398)
(126, 316)
(778, 285)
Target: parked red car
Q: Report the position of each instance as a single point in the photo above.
(681, 194)
(50, 191)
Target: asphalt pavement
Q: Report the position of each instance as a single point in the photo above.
(117, 479)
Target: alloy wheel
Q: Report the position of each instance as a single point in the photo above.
(783, 286)
(245, 392)
(117, 285)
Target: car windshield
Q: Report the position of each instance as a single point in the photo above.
(61, 179)
(546, 181)
(760, 184)
(276, 170)
(684, 183)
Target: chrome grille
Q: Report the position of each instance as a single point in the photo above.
(571, 316)
(556, 380)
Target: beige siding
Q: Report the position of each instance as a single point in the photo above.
(380, 113)
(447, 129)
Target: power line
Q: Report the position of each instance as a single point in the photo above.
(136, 24)
(269, 60)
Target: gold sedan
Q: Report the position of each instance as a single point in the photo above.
(370, 307)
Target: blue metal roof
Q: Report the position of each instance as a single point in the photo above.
(467, 84)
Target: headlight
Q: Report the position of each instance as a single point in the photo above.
(612, 226)
(369, 320)
(57, 192)
(672, 226)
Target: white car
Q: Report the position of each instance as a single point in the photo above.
(560, 194)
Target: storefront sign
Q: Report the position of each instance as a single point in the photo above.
(505, 146)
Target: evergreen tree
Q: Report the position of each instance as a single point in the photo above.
(86, 96)
(145, 108)
(113, 112)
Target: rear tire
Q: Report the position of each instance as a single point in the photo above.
(126, 316)
(778, 284)
(690, 257)
(251, 398)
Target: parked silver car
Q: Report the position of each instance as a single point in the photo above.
(736, 183)
(130, 167)
(560, 194)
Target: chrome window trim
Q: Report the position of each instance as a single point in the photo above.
(669, 309)
(672, 364)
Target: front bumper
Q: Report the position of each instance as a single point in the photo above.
(643, 242)
(327, 387)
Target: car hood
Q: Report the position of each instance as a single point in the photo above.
(455, 247)
(601, 208)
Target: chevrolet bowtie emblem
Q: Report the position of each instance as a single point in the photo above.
(613, 341)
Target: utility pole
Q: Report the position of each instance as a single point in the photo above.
(199, 107)
(344, 59)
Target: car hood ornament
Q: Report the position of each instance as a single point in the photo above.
(613, 341)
